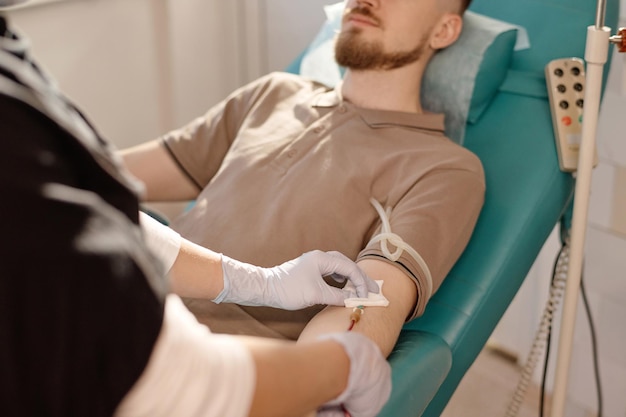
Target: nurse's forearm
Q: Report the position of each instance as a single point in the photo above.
(194, 271)
(197, 272)
(294, 379)
(193, 372)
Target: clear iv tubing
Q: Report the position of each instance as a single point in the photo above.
(557, 289)
(387, 235)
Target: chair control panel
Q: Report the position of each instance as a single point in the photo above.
(565, 80)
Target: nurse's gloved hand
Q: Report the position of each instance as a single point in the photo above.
(369, 383)
(295, 284)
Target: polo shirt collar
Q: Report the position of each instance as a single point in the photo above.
(328, 98)
(432, 122)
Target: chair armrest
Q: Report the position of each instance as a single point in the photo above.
(420, 357)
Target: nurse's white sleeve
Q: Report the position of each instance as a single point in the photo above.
(163, 241)
(192, 372)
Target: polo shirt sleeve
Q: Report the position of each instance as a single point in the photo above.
(200, 147)
(436, 218)
(192, 372)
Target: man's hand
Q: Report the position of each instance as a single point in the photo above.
(369, 383)
(294, 285)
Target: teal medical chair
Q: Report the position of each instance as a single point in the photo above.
(527, 195)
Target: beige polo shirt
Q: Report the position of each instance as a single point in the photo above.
(285, 166)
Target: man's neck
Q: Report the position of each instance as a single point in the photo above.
(394, 90)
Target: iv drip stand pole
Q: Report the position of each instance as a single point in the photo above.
(596, 53)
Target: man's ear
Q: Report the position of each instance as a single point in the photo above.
(446, 31)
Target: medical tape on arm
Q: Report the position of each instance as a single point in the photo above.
(386, 236)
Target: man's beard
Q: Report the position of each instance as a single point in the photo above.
(357, 54)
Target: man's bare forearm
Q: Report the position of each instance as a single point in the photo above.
(380, 324)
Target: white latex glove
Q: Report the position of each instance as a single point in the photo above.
(369, 383)
(295, 284)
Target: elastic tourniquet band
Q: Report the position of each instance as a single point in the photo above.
(387, 236)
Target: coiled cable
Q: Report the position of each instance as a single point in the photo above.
(557, 290)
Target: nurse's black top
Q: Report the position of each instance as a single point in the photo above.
(81, 299)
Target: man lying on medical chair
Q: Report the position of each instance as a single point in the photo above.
(361, 169)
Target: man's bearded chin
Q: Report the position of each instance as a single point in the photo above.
(7, 3)
(357, 54)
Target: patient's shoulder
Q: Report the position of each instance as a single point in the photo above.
(471, 160)
(286, 81)
(277, 87)
(455, 159)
